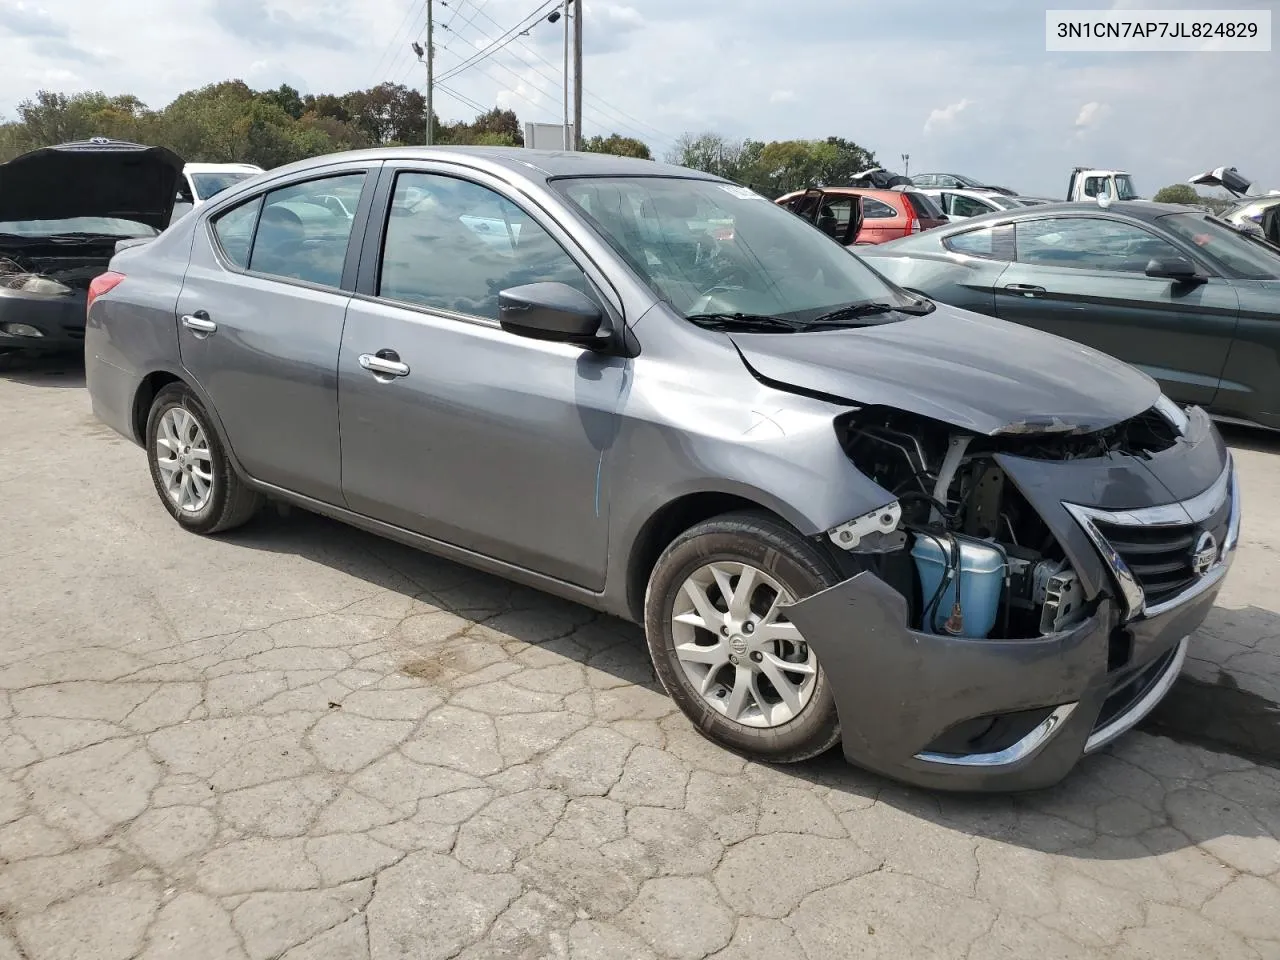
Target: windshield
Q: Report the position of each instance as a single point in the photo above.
(105, 226)
(211, 184)
(1124, 187)
(1242, 255)
(1004, 203)
(716, 248)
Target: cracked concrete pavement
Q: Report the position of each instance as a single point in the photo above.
(302, 742)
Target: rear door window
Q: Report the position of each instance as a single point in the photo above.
(963, 206)
(300, 236)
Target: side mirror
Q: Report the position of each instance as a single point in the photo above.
(1176, 269)
(550, 311)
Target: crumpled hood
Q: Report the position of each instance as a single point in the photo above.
(961, 368)
(92, 178)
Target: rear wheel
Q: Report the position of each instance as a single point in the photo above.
(724, 650)
(190, 470)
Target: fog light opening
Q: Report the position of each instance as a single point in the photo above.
(1119, 648)
(20, 330)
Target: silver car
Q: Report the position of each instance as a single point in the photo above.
(966, 551)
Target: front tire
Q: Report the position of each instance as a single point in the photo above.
(733, 664)
(189, 468)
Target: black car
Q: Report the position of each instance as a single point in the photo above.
(63, 209)
(1172, 290)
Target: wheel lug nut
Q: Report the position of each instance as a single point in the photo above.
(748, 627)
(724, 631)
(757, 656)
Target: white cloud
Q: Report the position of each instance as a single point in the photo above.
(945, 115)
(1090, 112)
(782, 96)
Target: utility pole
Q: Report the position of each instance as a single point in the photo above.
(568, 144)
(431, 75)
(428, 57)
(577, 76)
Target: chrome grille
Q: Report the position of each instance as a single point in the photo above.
(1165, 555)
(1159, 557)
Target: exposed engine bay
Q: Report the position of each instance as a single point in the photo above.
(961, 543)
(53, 275)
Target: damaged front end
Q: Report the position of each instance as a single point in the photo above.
(43, 292)
(1022, 597)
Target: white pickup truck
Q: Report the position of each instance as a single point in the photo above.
(1088, 183)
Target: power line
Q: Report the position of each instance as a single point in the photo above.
(502, 41)
(463, 99)
(391, 45)
(608, 108)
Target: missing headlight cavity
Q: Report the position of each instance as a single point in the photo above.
(976, 560)
(15, 276)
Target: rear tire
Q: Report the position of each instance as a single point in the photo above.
(747, 680)
(190, 470)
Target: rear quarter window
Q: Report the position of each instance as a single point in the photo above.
(234, 230)
(990, 243)
(873, 209)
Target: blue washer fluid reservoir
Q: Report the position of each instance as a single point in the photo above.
(981, 581)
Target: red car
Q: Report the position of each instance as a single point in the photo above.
(857, 215)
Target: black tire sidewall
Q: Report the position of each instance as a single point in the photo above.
(206, 518)
(794, 563)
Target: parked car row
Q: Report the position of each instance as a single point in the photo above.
(1176, 292)
(820, 492)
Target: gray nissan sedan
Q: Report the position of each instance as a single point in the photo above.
(967, 551)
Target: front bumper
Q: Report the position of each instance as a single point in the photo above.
(58, 319)
(902, 695)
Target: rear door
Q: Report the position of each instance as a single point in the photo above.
(260, 321)
(1083, 278)
(880, 222)
(839, 216)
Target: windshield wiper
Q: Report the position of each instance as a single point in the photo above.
(742, 321)
(846, 316)
(73, 237)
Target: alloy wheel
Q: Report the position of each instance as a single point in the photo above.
(742, 655)
(184, 459)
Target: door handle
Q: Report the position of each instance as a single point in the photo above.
(1026, 289)
(384, 366)
(199, 323)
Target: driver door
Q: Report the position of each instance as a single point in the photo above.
(486, 440)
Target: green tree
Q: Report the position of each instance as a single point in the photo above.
(497, 128)
(617, 145)
(389, 113)
(287, 99)
(1177, 193)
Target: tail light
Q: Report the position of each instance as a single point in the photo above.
(915, 226)
(100, 285)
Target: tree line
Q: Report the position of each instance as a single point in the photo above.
(230, 122)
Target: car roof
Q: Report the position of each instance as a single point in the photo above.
(1143, 210)
(874, 192)
(523, 160)
(220, 167)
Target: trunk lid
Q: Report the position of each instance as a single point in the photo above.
(91, 178)
(1229, 178)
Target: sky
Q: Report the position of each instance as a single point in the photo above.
(961, 86)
